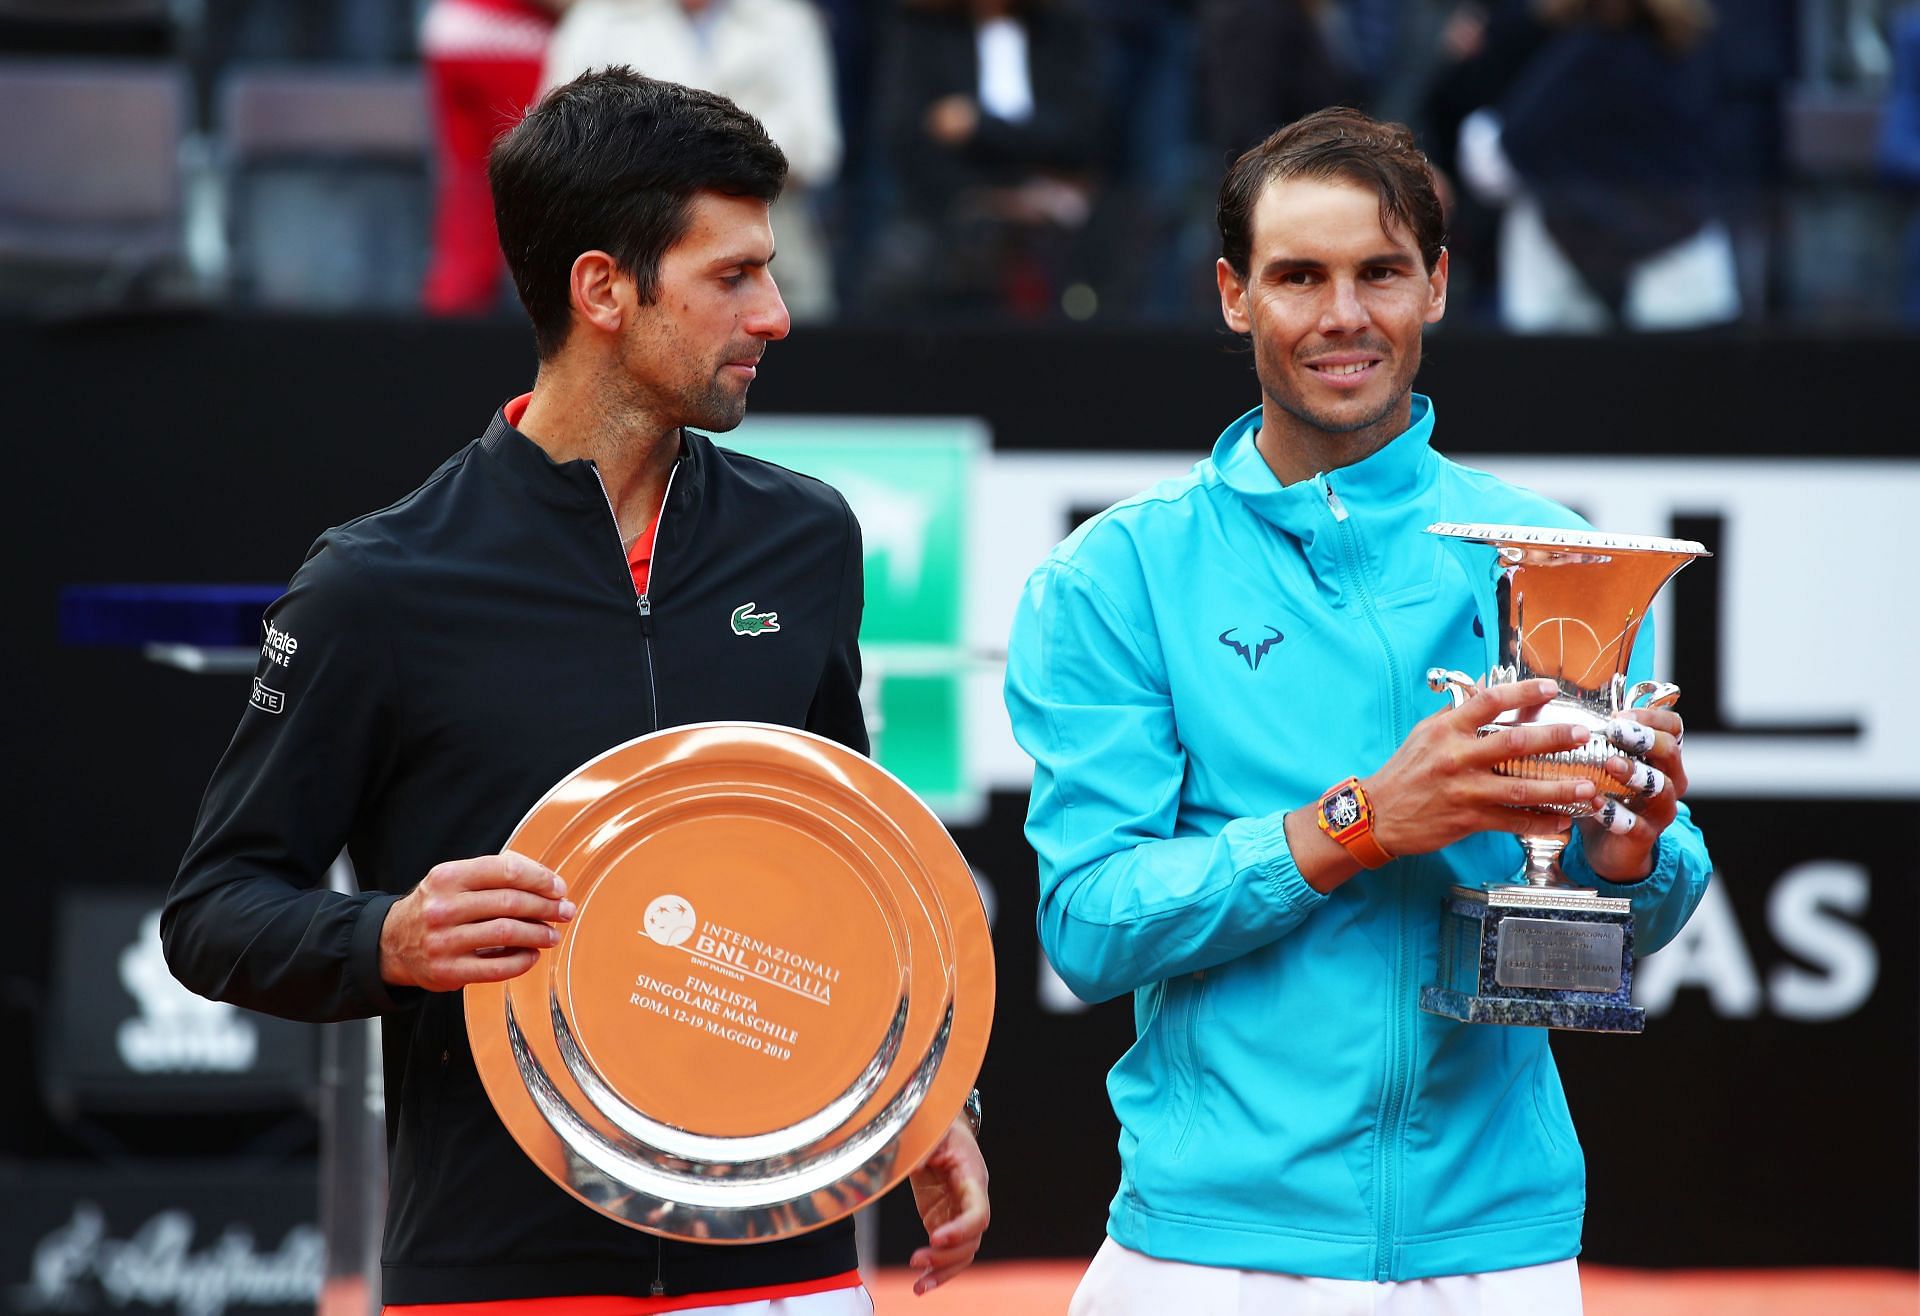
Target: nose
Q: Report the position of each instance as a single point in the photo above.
(768, 318)
(1344, 312)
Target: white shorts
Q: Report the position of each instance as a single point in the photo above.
(839, 1302)
(1121, 1282)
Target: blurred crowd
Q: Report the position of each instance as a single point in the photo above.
(1607, 164)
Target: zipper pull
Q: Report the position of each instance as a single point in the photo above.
(646, 615)
(1338, 508)
(659, 1289)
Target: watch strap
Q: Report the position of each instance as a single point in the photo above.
(1366, 849)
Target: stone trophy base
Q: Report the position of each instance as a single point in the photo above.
(1541, 957)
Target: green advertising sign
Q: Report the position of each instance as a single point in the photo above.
(908, 481)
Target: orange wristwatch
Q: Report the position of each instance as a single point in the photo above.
(1347, 817)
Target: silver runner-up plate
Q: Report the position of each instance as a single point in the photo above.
(772, 1001)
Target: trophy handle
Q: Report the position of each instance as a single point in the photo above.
(1458, 685)
(1658, 694)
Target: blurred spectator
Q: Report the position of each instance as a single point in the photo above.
(771, 58)
(1156, 183)
(1391, 47)
(991, 113)
(329, 31)
(853, 212)
(1602, 153)
(483, 60)
(1753, 56)
(1900, 142)
(1481, 51)
(1266, 63)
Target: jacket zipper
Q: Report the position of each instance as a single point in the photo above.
(643, 604)
(642, 598)
(1390, 1129)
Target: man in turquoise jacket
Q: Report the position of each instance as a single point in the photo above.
(1193, 671)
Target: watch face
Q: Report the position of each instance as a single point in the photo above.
(1343, 811)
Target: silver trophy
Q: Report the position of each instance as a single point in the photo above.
(1539, 950)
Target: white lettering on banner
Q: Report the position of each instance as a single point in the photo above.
(1709, 954)
(1800, 916)
(157, 1267)
(1818, 618)
(177, 1032)
(1803, 916)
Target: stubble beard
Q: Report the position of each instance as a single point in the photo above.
(712, 405)
(717, 408)
(1278, 389)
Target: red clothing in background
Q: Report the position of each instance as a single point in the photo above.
(483, 60)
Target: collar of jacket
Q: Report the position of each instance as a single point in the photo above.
(575, 483)
(1399, 470)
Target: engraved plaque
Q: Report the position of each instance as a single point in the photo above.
(1559, 955)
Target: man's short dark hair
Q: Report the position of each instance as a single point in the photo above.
(1336, 143)
(611, 162)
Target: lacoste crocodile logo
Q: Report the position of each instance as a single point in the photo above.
(748, 622)
(1251, 654)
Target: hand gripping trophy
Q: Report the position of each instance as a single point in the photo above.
(1543, 951)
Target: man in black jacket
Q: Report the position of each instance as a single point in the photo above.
(568, 581)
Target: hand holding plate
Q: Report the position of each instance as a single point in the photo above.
(473, 920)
(950, 1188)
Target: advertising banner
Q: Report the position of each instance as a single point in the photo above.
(190, 1239)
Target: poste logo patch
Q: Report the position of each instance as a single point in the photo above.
(670, 920)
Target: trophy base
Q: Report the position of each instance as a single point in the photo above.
(1526, 1012)
(1539, 957)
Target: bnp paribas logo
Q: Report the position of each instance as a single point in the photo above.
(748, 622)
(670, 920)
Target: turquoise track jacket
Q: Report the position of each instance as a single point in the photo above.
(1185, 669)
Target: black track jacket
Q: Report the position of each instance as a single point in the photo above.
(433, 669)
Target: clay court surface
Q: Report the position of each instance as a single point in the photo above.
(1031, 1288)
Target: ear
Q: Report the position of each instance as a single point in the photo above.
(1437, 289)
(1233, 297)
(599, 292)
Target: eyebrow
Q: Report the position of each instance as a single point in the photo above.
(1399, 260)
(724, 262)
